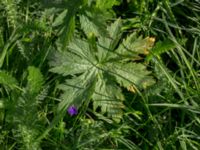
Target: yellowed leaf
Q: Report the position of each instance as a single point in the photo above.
(131, 89)
(149, 44)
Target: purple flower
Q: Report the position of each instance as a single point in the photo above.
(72, 110)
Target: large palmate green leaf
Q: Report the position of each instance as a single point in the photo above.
(98, 67)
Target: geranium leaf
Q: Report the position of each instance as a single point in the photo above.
(98, 68)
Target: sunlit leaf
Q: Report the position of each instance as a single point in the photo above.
(97, 70)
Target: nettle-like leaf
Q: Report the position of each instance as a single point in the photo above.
(97, 68)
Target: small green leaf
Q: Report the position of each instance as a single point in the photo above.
(7, 79)
(35, 80)
(60, 19)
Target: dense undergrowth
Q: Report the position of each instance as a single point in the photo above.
(99, 74)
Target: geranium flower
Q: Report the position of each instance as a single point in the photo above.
(72, 110)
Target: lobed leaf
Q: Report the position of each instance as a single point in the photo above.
(97, 69)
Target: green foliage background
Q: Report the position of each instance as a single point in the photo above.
(130, 67)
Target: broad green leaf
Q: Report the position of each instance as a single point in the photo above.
(95, 76)
(35, 80)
